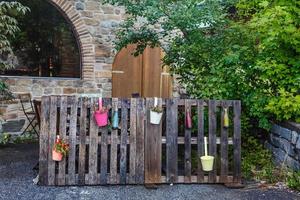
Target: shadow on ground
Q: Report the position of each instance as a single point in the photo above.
(16, 174)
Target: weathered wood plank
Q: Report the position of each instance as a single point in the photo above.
(44, 141)
(52, 137)
(93, 146)
(114, 149)
(82, 144)
(172, 134)
(123, 145)
(62, 132)
(103, 167)
(72, 141)
(237, 142)
(153, 147)
(132, 141)
(212, 138)
(104, 146)
(140, 126)
(224, 147)
(200, 140)
(187, 145)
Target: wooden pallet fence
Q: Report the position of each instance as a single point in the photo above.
(139, 152)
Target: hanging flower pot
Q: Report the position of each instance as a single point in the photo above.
(188, 120)
(206, 160)
(226, 118)
(207, 163)
(101, 115)
(56, 156)
(60, 149)
(115, 122)
(155, 116)
(156, 113)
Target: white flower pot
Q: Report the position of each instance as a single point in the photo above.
(155, 117)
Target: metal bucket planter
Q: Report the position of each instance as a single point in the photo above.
(155, 117)
(101, 118)
(56, 156)
(207, 163)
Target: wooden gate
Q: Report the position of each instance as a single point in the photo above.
(143, 75)
(139, 152)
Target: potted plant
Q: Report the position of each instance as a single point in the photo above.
(206, 160)
(156, 114)
(60, 149)
(101, 115)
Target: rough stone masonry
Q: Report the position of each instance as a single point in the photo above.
(284, 143)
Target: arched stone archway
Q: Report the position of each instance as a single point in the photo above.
(84, 39)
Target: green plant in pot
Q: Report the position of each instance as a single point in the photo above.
(156, 114)
(60, 149)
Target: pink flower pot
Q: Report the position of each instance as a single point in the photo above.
(101, 118)
(56, 156)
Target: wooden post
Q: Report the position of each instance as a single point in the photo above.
(153, 147)
(44, 141)
(172, 135)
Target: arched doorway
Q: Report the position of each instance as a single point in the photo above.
(141, 76)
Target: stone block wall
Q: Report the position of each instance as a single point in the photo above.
(284, 143)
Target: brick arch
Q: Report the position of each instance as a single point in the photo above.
(83, 37)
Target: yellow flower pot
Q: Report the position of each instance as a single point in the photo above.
(207, 163)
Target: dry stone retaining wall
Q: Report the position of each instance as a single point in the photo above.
(285, 145)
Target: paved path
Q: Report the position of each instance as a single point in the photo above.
(16, 176)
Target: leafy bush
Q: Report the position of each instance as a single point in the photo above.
(8, 29)
(293, 180)
(256, 160)
(248, 51)
(4, 138)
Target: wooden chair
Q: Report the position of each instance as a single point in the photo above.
(29, 112)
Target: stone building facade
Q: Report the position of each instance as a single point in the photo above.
(94, 25)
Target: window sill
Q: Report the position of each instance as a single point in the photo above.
(35, 77)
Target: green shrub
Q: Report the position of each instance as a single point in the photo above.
(4, 138)
(293, 180)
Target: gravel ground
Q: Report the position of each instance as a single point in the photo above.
(16, 174)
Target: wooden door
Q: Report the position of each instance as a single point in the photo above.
(143, 75)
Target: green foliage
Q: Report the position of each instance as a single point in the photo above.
(8, 28)
(251, 54)
(5, 94)
(293, 180)
(4, 138)
(256, 160)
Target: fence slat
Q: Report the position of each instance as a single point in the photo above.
(224, 147)
(52, 136)
(62, 132)
(93, 146)
(140, 126)
(153, 149)
(187, 145)
(212, 138)
(132, 141)
(82, 145)
(103, 167)
(114, 149)
(44, 141)
(72, 141)
(172, 134)
(237, 142)
(123, 145)
(200, 140)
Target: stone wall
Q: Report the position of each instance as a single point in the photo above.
(284, 143)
